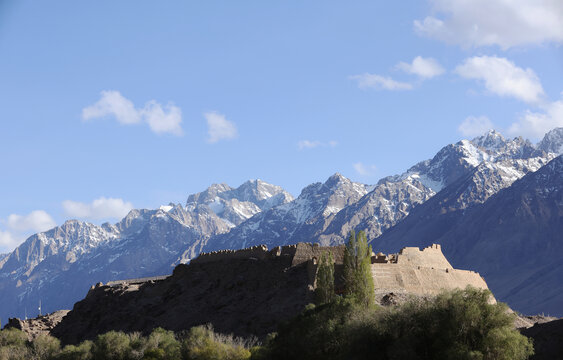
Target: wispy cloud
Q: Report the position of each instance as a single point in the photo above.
(374, 81)
(494, 22)
(101, 208)
(160, 119)
(475, 126)
(424, 67)
(219, 128)
(364, 170)
(311, 144)
(502, 77)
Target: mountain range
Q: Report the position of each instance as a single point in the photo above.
(493, 203)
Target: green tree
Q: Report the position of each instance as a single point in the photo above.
(202, 343)
(162, 344)
(13, 345)
(358, 280)
(113, 345)
(83, 351)
(45, 347)
(324, 293)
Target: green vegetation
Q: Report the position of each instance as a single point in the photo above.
(324, 293)
(357, 269)
(456, 325)
(200, 343)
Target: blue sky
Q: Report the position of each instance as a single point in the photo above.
(110, 105)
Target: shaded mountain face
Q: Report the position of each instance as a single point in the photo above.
(58, 266)
(513, 238)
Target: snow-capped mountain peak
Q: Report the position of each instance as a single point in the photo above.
(552, 141)
(491, 141)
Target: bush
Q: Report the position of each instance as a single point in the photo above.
(458, 325)
(202, 343)
(13, 345)
(162, 344)
(112, 345)
(45, 347)
(83, 351)
(318, 333)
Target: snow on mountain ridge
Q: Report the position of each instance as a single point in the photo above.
(552, 141)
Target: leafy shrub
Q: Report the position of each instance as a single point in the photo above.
(162, 344)
(83, 351)
(202, 343)
(113, 345)
(13, 345)
(456, 325)
(45, 347)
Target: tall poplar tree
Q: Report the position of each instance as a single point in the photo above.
(324, 293)
(358, 280)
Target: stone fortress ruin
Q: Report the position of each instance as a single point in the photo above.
(245, 292)
(411, 271)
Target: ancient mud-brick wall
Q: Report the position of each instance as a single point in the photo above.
(425, 272)
(411, 271)
(257, 252)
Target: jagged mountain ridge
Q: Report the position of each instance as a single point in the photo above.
(59, 265)
(391, 200)
(552, 141)
(149, 242)
(513, 239)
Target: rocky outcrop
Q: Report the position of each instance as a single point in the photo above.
(41, 325)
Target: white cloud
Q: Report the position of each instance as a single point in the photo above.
(502, 77)
(375, 81)
(8, 242)
(37, 221)
(364, 170)
(535, 124)
(423, 67)
(475, 126)
(113, 104)
(310, 144)
(219, 128)
(21, 226)
(163, 121)
(505, 23)
(101, 208)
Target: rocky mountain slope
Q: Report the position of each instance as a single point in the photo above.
(513, 239)
(313, 216)
(58, 266)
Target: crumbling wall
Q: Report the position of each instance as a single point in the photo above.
(430, 257)
(257, 252)
(411, 271)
